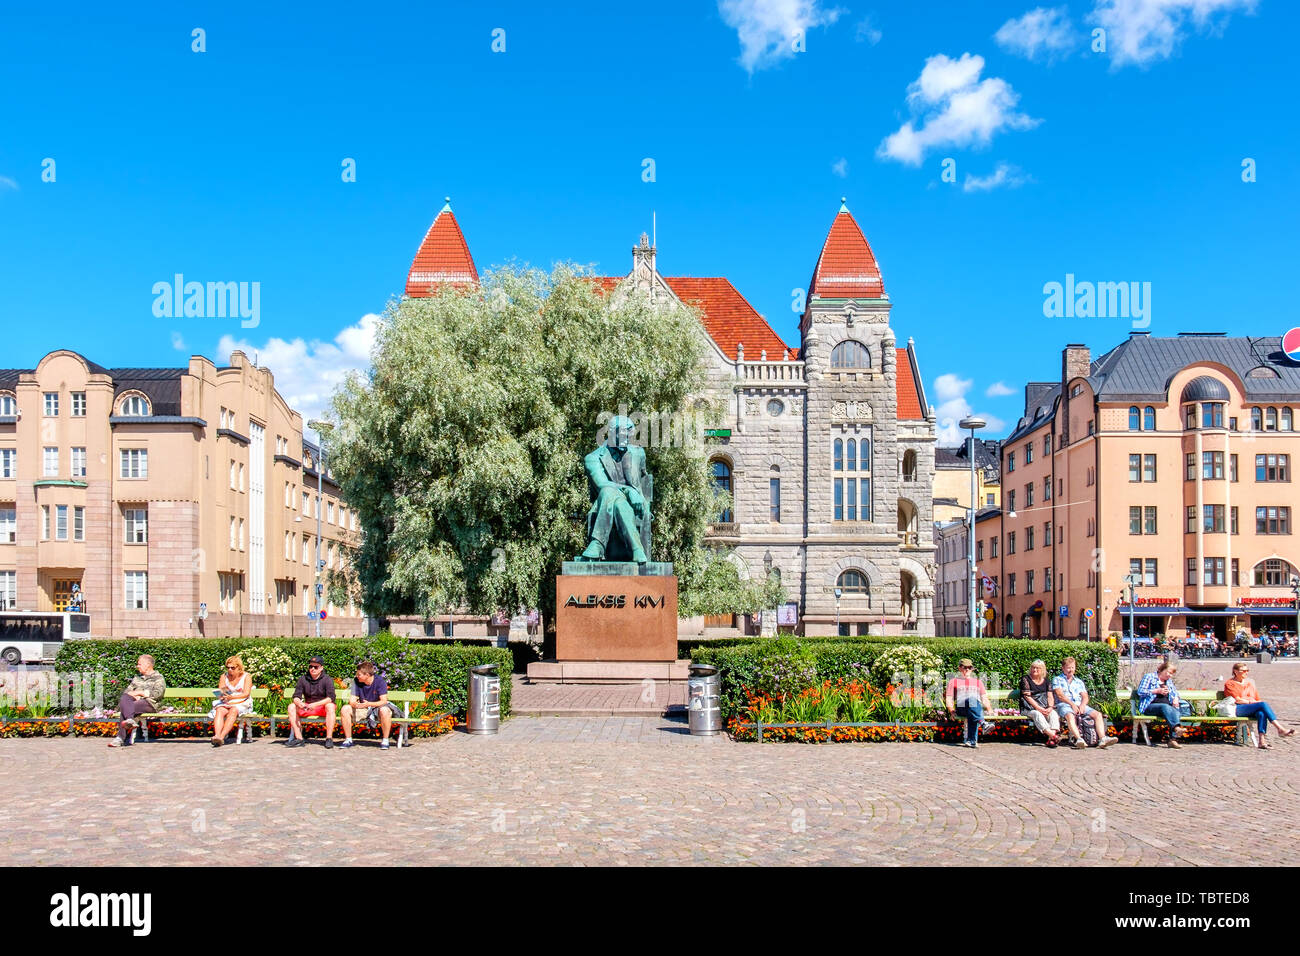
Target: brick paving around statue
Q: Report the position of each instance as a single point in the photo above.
(639, 790)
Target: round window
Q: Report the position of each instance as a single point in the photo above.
(774, 407)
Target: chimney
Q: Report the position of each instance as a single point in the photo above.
(1076, 362)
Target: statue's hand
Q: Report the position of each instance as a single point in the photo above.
(635, 499)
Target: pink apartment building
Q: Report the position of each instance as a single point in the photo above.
(156, 496)
(1168, 458)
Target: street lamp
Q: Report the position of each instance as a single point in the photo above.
(838, 592)
(972, 424)
(323, 430)
(1295, 587)
(1132, 580)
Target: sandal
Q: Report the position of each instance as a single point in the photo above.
(1286, 733)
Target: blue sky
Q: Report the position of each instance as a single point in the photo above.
(224, 165)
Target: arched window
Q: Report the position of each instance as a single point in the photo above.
(909, 465)
(1010, 626)
(8, 404)
(722, 481)
(1149, 419)
(134, 405)
(1256, 419)
(1270, 420)
(1134, 418)
(853, 455)
(850, 354)
(839, 454)
(1273, 573)
(1286, 419)
(852, 582)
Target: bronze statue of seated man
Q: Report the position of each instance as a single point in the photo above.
(618, 524)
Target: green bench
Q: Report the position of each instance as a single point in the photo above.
(210, 694)
(404, 698)
(1193, 697)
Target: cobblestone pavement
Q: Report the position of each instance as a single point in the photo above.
(651, 698)
(630, 790)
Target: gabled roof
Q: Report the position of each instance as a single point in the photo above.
(846, 268)
(729, 318)
(443, 256)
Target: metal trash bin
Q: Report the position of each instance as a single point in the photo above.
(703, 692)
(484, 713)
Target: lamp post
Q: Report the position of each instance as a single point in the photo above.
(322, 429)
(1295, 587)
(972, 424)
(1132, 581)
(838, 592)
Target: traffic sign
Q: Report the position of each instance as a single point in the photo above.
(311, 615)
(1087, 612)
(1065, 610)
(323, 615)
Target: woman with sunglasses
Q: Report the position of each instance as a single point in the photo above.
(235, 698)
(1241, 688)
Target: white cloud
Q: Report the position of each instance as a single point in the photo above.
(1141, 31)
(955, 108)
(307, 373)
(7, 183)
(1004, 175)
(868, 31)
(840, 167)
(178, 343)
(998, 390)
(1043, 31)
(953, 407)
(768, 28)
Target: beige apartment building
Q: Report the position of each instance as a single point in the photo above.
(165, 502)
(1169, 458)
(951, 493)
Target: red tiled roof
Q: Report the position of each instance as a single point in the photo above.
(909, 399)
(604, 284)
(728, 318)
(846, 268)
(443, 257)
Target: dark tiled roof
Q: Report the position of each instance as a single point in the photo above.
(9, 376)
(1040, 407)
(161, 385)
(1142, 367)
(987, 455)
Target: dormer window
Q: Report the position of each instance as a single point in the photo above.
(135, 405)
(8, 404)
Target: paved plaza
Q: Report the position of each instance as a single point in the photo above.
(639, 790)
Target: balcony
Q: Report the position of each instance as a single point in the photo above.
(770, 371)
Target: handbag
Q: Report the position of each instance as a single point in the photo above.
(1226, 707)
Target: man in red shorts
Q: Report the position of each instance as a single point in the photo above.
(313, 697)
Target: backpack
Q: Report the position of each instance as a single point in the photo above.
(1087, 729)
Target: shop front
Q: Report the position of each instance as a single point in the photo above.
(1269, 616)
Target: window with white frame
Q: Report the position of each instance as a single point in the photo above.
(134, 405)
(241, 476)
(288, 495)
(233, 474)
(241, 534)
(134, 463)
(234, 532)
(8, 524)
(78, 463)
(78, 523)
(50, 459)
(8, 463)
(60, 522)
(51, 404)
(137, 525)
(851, 464)
(45, 522)
(8, 590)
(8, 404)
(78, 404)
(137, 590)
(304, 549)
(329, 512)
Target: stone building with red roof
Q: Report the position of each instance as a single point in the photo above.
(827, 446)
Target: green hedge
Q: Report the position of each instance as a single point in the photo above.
(851, 658)
(199, 662)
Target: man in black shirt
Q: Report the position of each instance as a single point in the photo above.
(313, 697)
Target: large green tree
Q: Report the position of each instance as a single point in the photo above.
(461, 449)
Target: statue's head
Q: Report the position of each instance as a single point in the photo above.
(620, 432)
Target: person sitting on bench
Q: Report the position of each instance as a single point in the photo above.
(312, 697)
(1241, 688)
(142, 696)
(370, 704)
(1072, 706)
(1158, 697)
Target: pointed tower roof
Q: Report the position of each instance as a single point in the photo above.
(846, 268)
(443, 257)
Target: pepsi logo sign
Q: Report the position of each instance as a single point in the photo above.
(1291, 344)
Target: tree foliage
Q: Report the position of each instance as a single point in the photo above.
(461, 449)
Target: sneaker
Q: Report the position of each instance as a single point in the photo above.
(383, 745)
(985, 726)
(329, 743)
(116, 742)
(295, 742)
(974, 745)
(1105, 742)
(347, 742)
(1080, 743)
